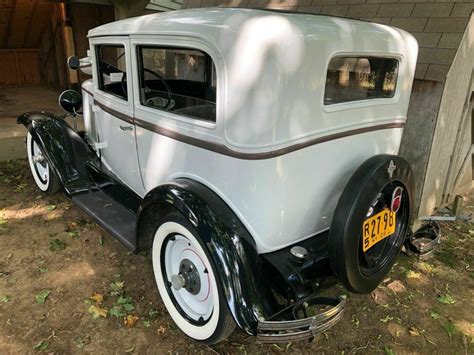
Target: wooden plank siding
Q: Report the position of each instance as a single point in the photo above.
(20, 67)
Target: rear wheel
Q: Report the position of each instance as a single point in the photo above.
(187, 282)
(45, 178)
(370, 223)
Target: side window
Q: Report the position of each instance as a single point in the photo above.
(178, 80)
(112, 70)
(360, 78)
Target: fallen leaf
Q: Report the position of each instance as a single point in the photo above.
(161, 330)
(71, 226)
(413, 332)
(42, 296)
(5, 298)
(425, 267)
(410, 274)
(97, 297)
(81, 342)
(73, 234)
(434, 314)
(379, 297)
(42, 345)
(153, 313)
(116, 287)
(146, 323)
(445, 299)
(386, 319)
(396, 286)
(130, 320)
(130, 349)
(41, 270)
(355, 321)
(50, 207)
(97, 312)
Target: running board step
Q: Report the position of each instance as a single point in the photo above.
(109, 214)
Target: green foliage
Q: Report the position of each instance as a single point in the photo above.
(117, 311)
(434, 314)
(41, 346)
(42, 296)
(57, 245)
(445, 299)
(450, 328)
(5, 298)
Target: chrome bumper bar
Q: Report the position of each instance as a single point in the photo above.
(287, 325)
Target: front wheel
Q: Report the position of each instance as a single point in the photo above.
(44, 176)
(187, 282)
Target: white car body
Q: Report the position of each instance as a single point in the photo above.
(277, 154)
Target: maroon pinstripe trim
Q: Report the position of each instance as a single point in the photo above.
(222, 149)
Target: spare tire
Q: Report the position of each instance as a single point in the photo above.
(371, 222)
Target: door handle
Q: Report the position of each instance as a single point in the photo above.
(126, 128)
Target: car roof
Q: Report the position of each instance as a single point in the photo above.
(214, 23)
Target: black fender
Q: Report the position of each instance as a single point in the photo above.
(232, 248)
(65, 150)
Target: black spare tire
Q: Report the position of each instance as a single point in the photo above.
(363, 249)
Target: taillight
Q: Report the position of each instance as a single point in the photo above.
(396, 199)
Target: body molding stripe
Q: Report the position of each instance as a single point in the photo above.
(224, 150)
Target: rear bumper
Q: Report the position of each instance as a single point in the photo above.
(289, 324)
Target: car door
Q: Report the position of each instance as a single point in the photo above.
(113, 107)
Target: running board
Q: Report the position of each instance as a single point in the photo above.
(109, 214)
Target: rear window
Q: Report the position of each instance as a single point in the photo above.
(360, 78)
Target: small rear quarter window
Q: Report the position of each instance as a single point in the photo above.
(360, 78)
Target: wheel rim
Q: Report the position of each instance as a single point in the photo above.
(187, 279)
(190, 323)
(379, 256)
(39, 162)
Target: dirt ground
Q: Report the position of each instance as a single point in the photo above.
(66, 285)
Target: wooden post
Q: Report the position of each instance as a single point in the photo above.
(457, 205)
(69, 49)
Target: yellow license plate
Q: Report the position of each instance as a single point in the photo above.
(377, 227)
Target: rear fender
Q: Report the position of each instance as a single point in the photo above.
(66, 152)
(229, 243)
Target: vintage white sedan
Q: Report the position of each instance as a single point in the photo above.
(254, 152)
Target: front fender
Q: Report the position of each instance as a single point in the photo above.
(230, 244)
(66, 152)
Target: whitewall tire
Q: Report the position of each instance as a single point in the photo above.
(44, 177)
(187, 282)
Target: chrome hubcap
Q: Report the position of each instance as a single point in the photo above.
(40, 163)
(188, 278)
(39, 158)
